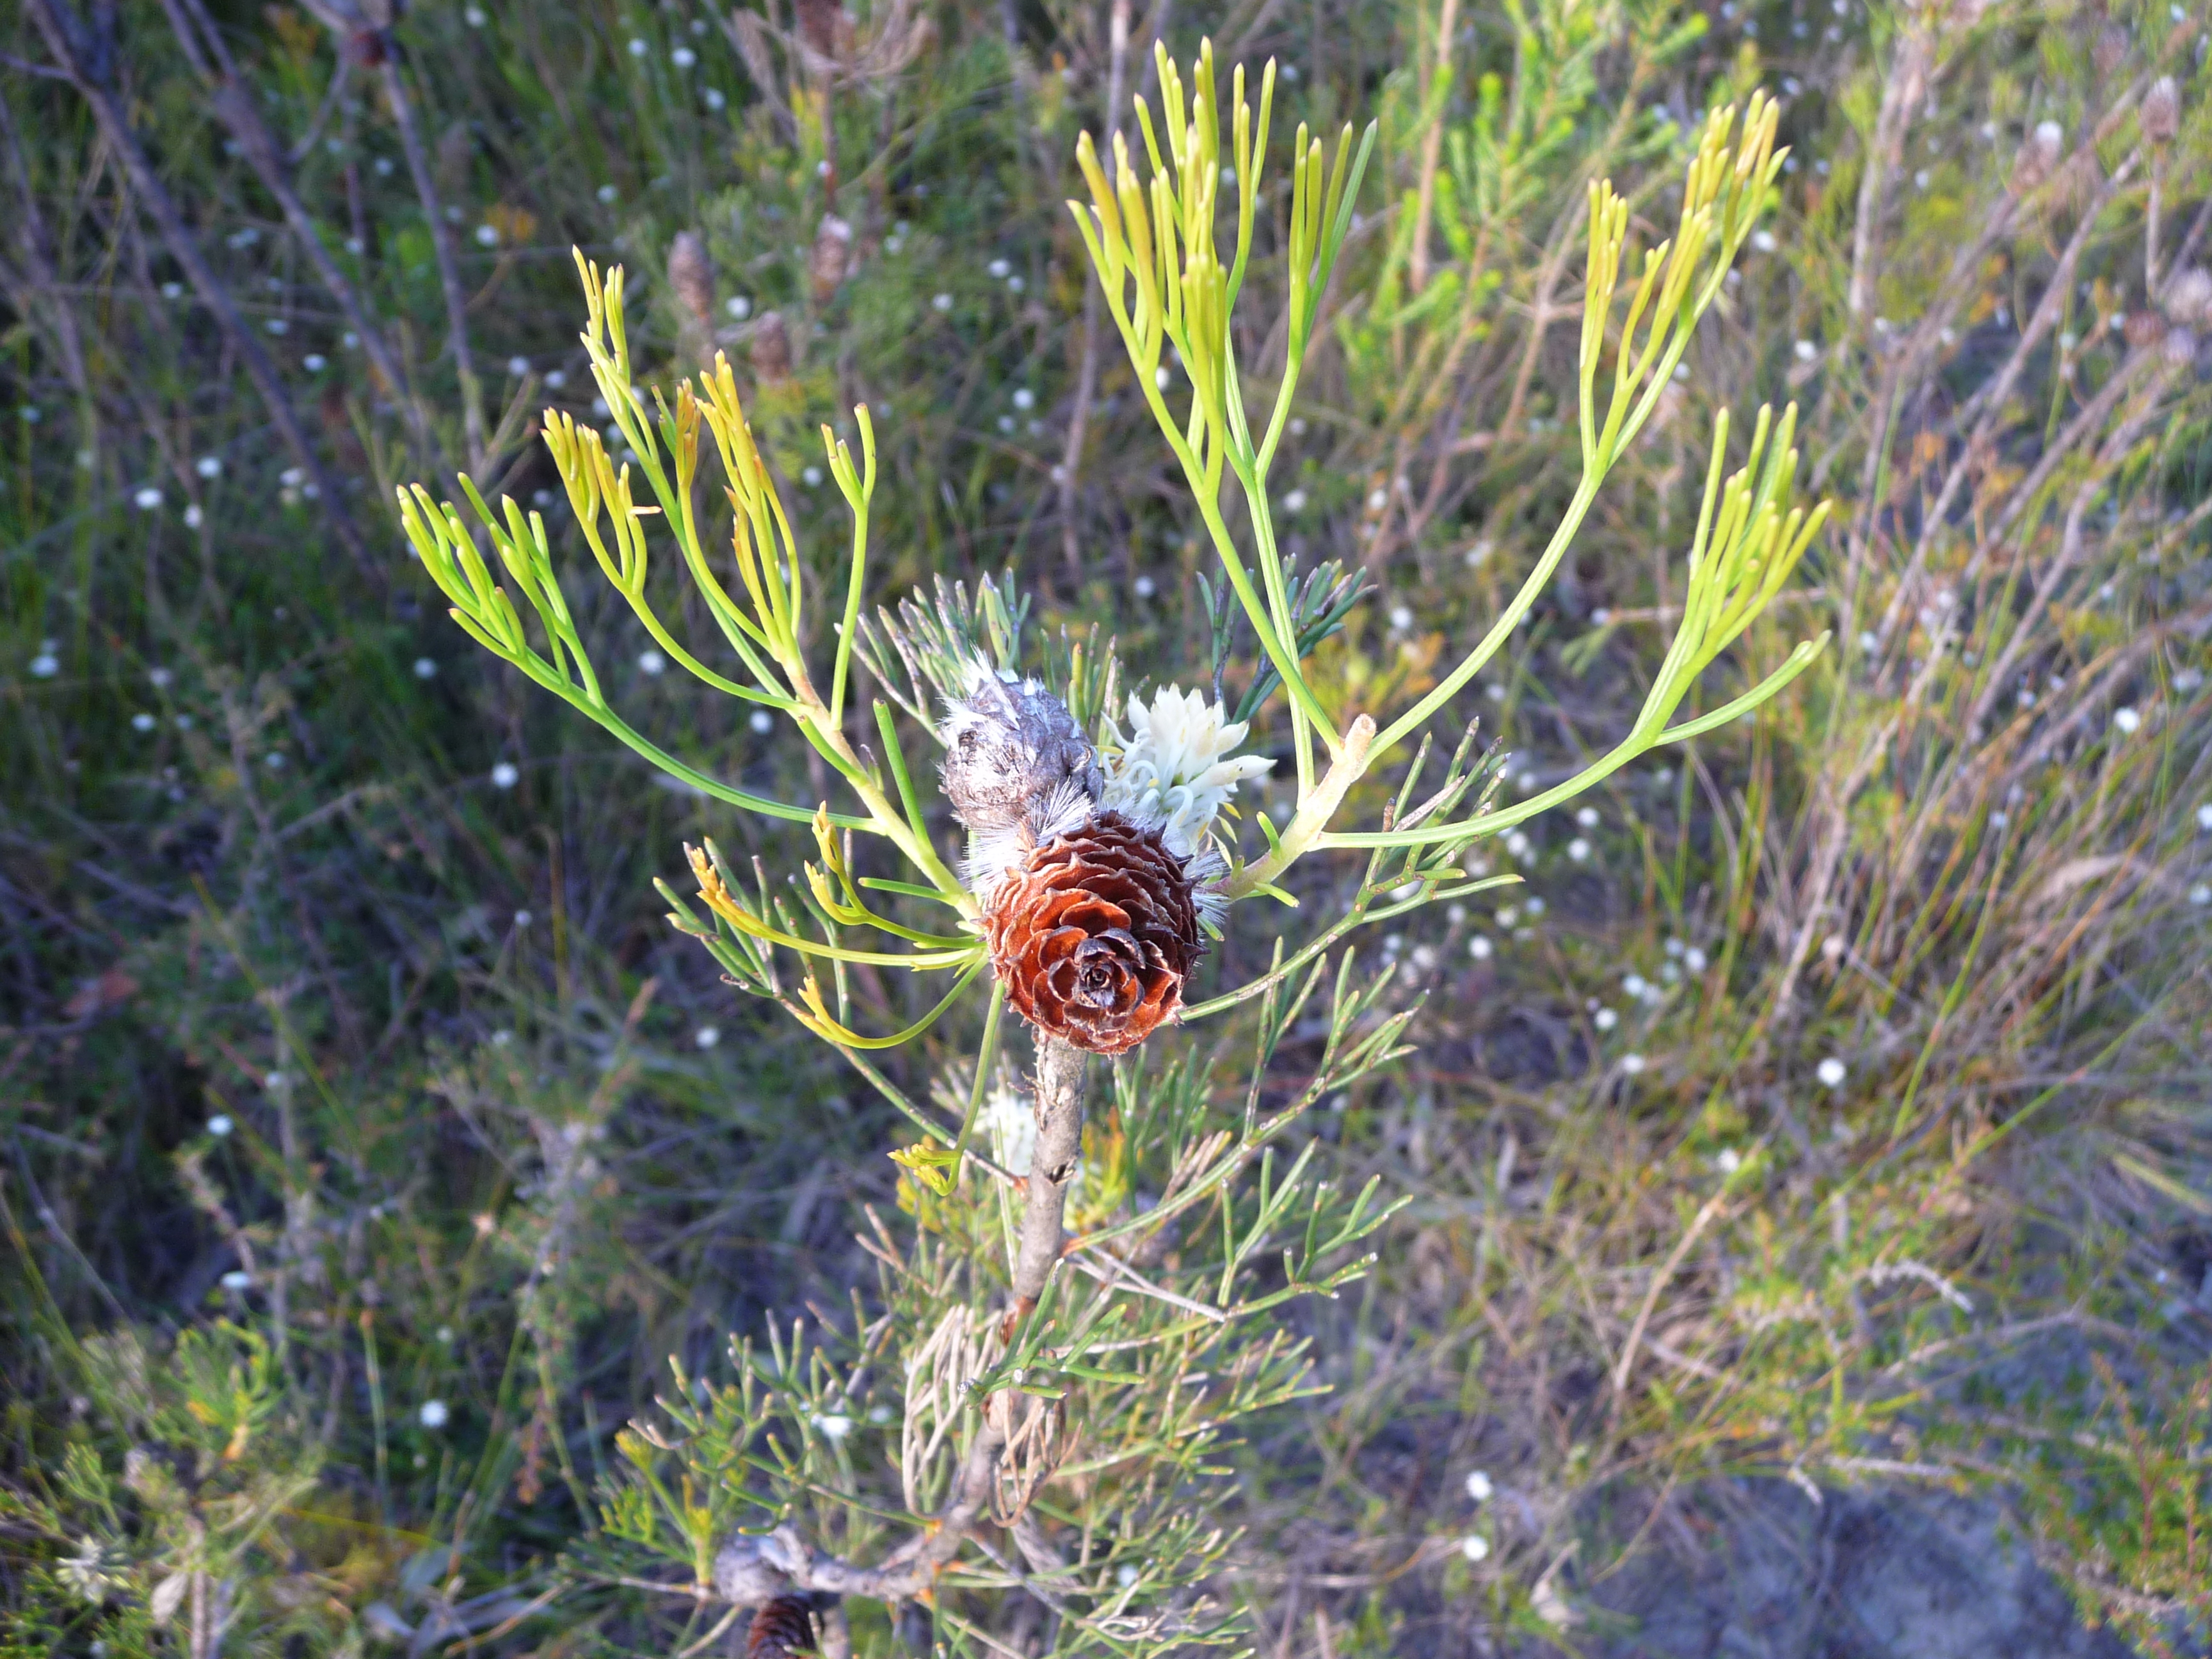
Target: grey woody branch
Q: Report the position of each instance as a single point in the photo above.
(751, 1571)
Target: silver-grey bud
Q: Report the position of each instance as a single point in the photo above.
(1010, 746)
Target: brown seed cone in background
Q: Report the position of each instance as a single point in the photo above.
(2144, 328)
(771, 347)
(692, 275)
(831, 256)
(820, 24)
(1093, 934)
(2111, 49)
(781, 1629)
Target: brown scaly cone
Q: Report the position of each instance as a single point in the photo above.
(692, 275)
(691, 279)
(1093, 934)
(771, 347)
(830, 258)
(781, 1629)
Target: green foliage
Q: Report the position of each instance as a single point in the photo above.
(192, 1527)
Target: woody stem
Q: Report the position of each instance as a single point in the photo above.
(1052, 1168)
(752, 1569)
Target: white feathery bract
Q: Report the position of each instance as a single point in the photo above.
(995, 848)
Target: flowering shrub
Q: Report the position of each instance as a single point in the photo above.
(1093, 858)
(414, 1245)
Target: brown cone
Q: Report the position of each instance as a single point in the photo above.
(1093, 934)
(692, 275)
(830, 257)
(771, 347)
(781, 1630)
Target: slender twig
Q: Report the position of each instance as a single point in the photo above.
(1417, 272)
(44, 280)
(233, 102)
(1086, 378)
(747, 1564)
(442, 239)
(1902, 91)
(1107, 1270)
(87, 58)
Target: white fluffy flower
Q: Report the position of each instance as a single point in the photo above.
(1011, 1123)
(1174, 764)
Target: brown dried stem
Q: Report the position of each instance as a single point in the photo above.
(1087, 377)
(85, 55)
(442, 239)
(234, 103)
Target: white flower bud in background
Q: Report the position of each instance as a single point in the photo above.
(2161, 111)
(2188, 297)
(2037, 157)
